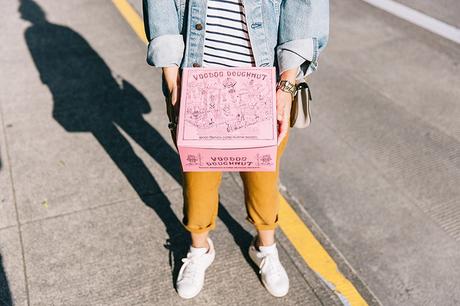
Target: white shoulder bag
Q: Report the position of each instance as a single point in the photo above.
(300, 109)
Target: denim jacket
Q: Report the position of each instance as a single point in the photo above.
(286, 34)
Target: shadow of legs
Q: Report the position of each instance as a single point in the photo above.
(5, 293)
(140, 178)
(168, 158)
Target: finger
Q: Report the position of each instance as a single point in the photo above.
(284, 126)
(280, 115)
(170, 105)
(279, 107)
(170, 113)
(281, 136)
(287, 113)
(177, 101)
(280, 131)
(174, 95)
(280, 110)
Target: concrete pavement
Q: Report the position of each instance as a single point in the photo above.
(90, 194)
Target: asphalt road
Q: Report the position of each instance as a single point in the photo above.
(379, 169)
(447, 11)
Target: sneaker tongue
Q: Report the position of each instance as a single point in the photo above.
(198, 251)
(268, 249)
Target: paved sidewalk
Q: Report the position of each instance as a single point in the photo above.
(90, 198)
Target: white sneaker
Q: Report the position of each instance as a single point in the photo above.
(191, 275)
(273, 274)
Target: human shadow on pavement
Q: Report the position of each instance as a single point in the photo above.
(5, 293)
(88, 98)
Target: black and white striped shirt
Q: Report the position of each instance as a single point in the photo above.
(226, 42)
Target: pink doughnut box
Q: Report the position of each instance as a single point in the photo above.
(227, 119)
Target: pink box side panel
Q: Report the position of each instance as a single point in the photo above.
(231, 160)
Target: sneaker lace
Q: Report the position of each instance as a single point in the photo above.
(189, 267)
(270, 264)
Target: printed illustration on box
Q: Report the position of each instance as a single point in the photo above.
(227, 119)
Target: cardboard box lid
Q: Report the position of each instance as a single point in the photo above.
(227, 107)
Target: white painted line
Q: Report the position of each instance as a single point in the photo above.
(424, 21)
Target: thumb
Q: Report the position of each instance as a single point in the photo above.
(279, 112)
(279, 116)
(174, 95)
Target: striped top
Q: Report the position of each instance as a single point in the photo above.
(226, 40)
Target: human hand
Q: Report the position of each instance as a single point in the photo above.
(172, 78)
(284, 103)
(283, 112)
(173, 82)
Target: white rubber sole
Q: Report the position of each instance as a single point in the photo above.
(187, 297)
(271, 292)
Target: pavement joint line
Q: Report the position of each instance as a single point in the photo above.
(7, 227)
(303, 240)
(413, 16)
(18, 224)
(137, 198)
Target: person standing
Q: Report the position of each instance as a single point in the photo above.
(286, 34)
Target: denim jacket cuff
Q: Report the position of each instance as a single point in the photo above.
(166, 50)
(300, 54)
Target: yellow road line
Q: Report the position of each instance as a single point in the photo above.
(132, 17)
(315, 255)
(309, 248)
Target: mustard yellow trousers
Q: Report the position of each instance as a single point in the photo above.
(201, 197)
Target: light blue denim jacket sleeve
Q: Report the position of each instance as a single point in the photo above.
(166, 44)
(302, 35)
